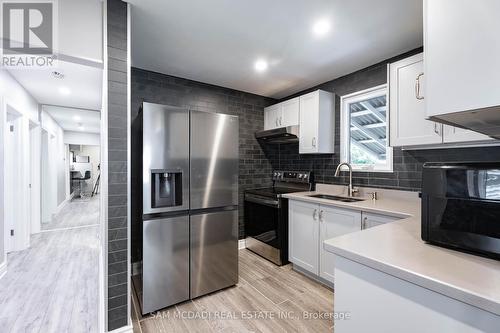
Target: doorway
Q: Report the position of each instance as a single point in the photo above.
(34, 178)
(13, 194)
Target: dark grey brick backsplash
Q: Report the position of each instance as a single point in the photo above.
(254, 167)
(117, 166)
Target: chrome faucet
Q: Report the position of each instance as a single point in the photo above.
(350, 191)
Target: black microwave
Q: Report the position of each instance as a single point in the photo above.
(461, 206)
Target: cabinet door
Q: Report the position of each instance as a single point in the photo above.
(334, 222)
(455, 134)
(408, 126)
(272, 116)
(304, 235)
(461, 55)
(290, 112)
(371, 220)
(309, 123)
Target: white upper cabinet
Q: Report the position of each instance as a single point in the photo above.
(453, 134)
(282, 114)
(272, 116)
(408, 126)
(462, 55)
(317, 123)
(290, 112)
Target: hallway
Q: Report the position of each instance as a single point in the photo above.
(77, 213)
(53, 286)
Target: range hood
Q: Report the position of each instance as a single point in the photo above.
(485, 121)
(286, 134)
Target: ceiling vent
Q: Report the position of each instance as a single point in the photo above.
(57, 75)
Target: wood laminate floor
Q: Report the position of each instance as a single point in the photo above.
(78, 212)
(267, 298)
(53, 286)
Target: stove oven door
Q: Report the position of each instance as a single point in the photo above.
(266, 227)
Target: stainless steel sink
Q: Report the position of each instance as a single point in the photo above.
(335, 197)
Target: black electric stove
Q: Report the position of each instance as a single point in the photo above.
(266, 214)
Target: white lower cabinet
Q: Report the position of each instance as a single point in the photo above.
(303, 231)
(334, 222)
(370, 220)
(310, 224)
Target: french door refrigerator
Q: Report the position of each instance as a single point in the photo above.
(189, 204)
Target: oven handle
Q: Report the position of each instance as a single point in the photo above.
(262, 201)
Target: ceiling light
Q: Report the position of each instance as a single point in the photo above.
(77, 118)
(321, 27)
(260, 65)
(64, 91)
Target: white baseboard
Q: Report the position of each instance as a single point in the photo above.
(3, 268)
(124, 329)
(62, 205)
(102, 293)
(241, 244)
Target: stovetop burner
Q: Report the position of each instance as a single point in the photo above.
(272, 192)
(285, 182)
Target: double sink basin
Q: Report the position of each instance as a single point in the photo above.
(335, 197)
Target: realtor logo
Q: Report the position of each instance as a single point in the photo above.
(27, 33)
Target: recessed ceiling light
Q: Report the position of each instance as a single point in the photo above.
(321, 27)
(64, 90)
(260, 65)
(77, 118)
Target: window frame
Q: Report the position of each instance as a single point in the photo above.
(345, 132)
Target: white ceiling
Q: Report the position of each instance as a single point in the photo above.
(79, 29)
(74, 119)
(84, 83)
(219, 41)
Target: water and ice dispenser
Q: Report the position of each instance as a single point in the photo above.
(166, 188)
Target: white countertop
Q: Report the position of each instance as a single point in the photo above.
(396, 248)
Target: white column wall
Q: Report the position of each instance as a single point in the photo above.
(13, 94)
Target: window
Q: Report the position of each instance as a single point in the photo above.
(364, 130)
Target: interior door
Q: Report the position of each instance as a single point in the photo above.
(214, 160)
(309, 121)
(165, 278)
(214, 251)
(335, 222)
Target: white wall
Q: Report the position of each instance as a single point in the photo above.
(81, 138)
(57, 158)
(13, 94)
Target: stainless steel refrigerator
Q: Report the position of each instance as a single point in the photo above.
(189, 204)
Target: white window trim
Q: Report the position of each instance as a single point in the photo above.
(345, 127)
